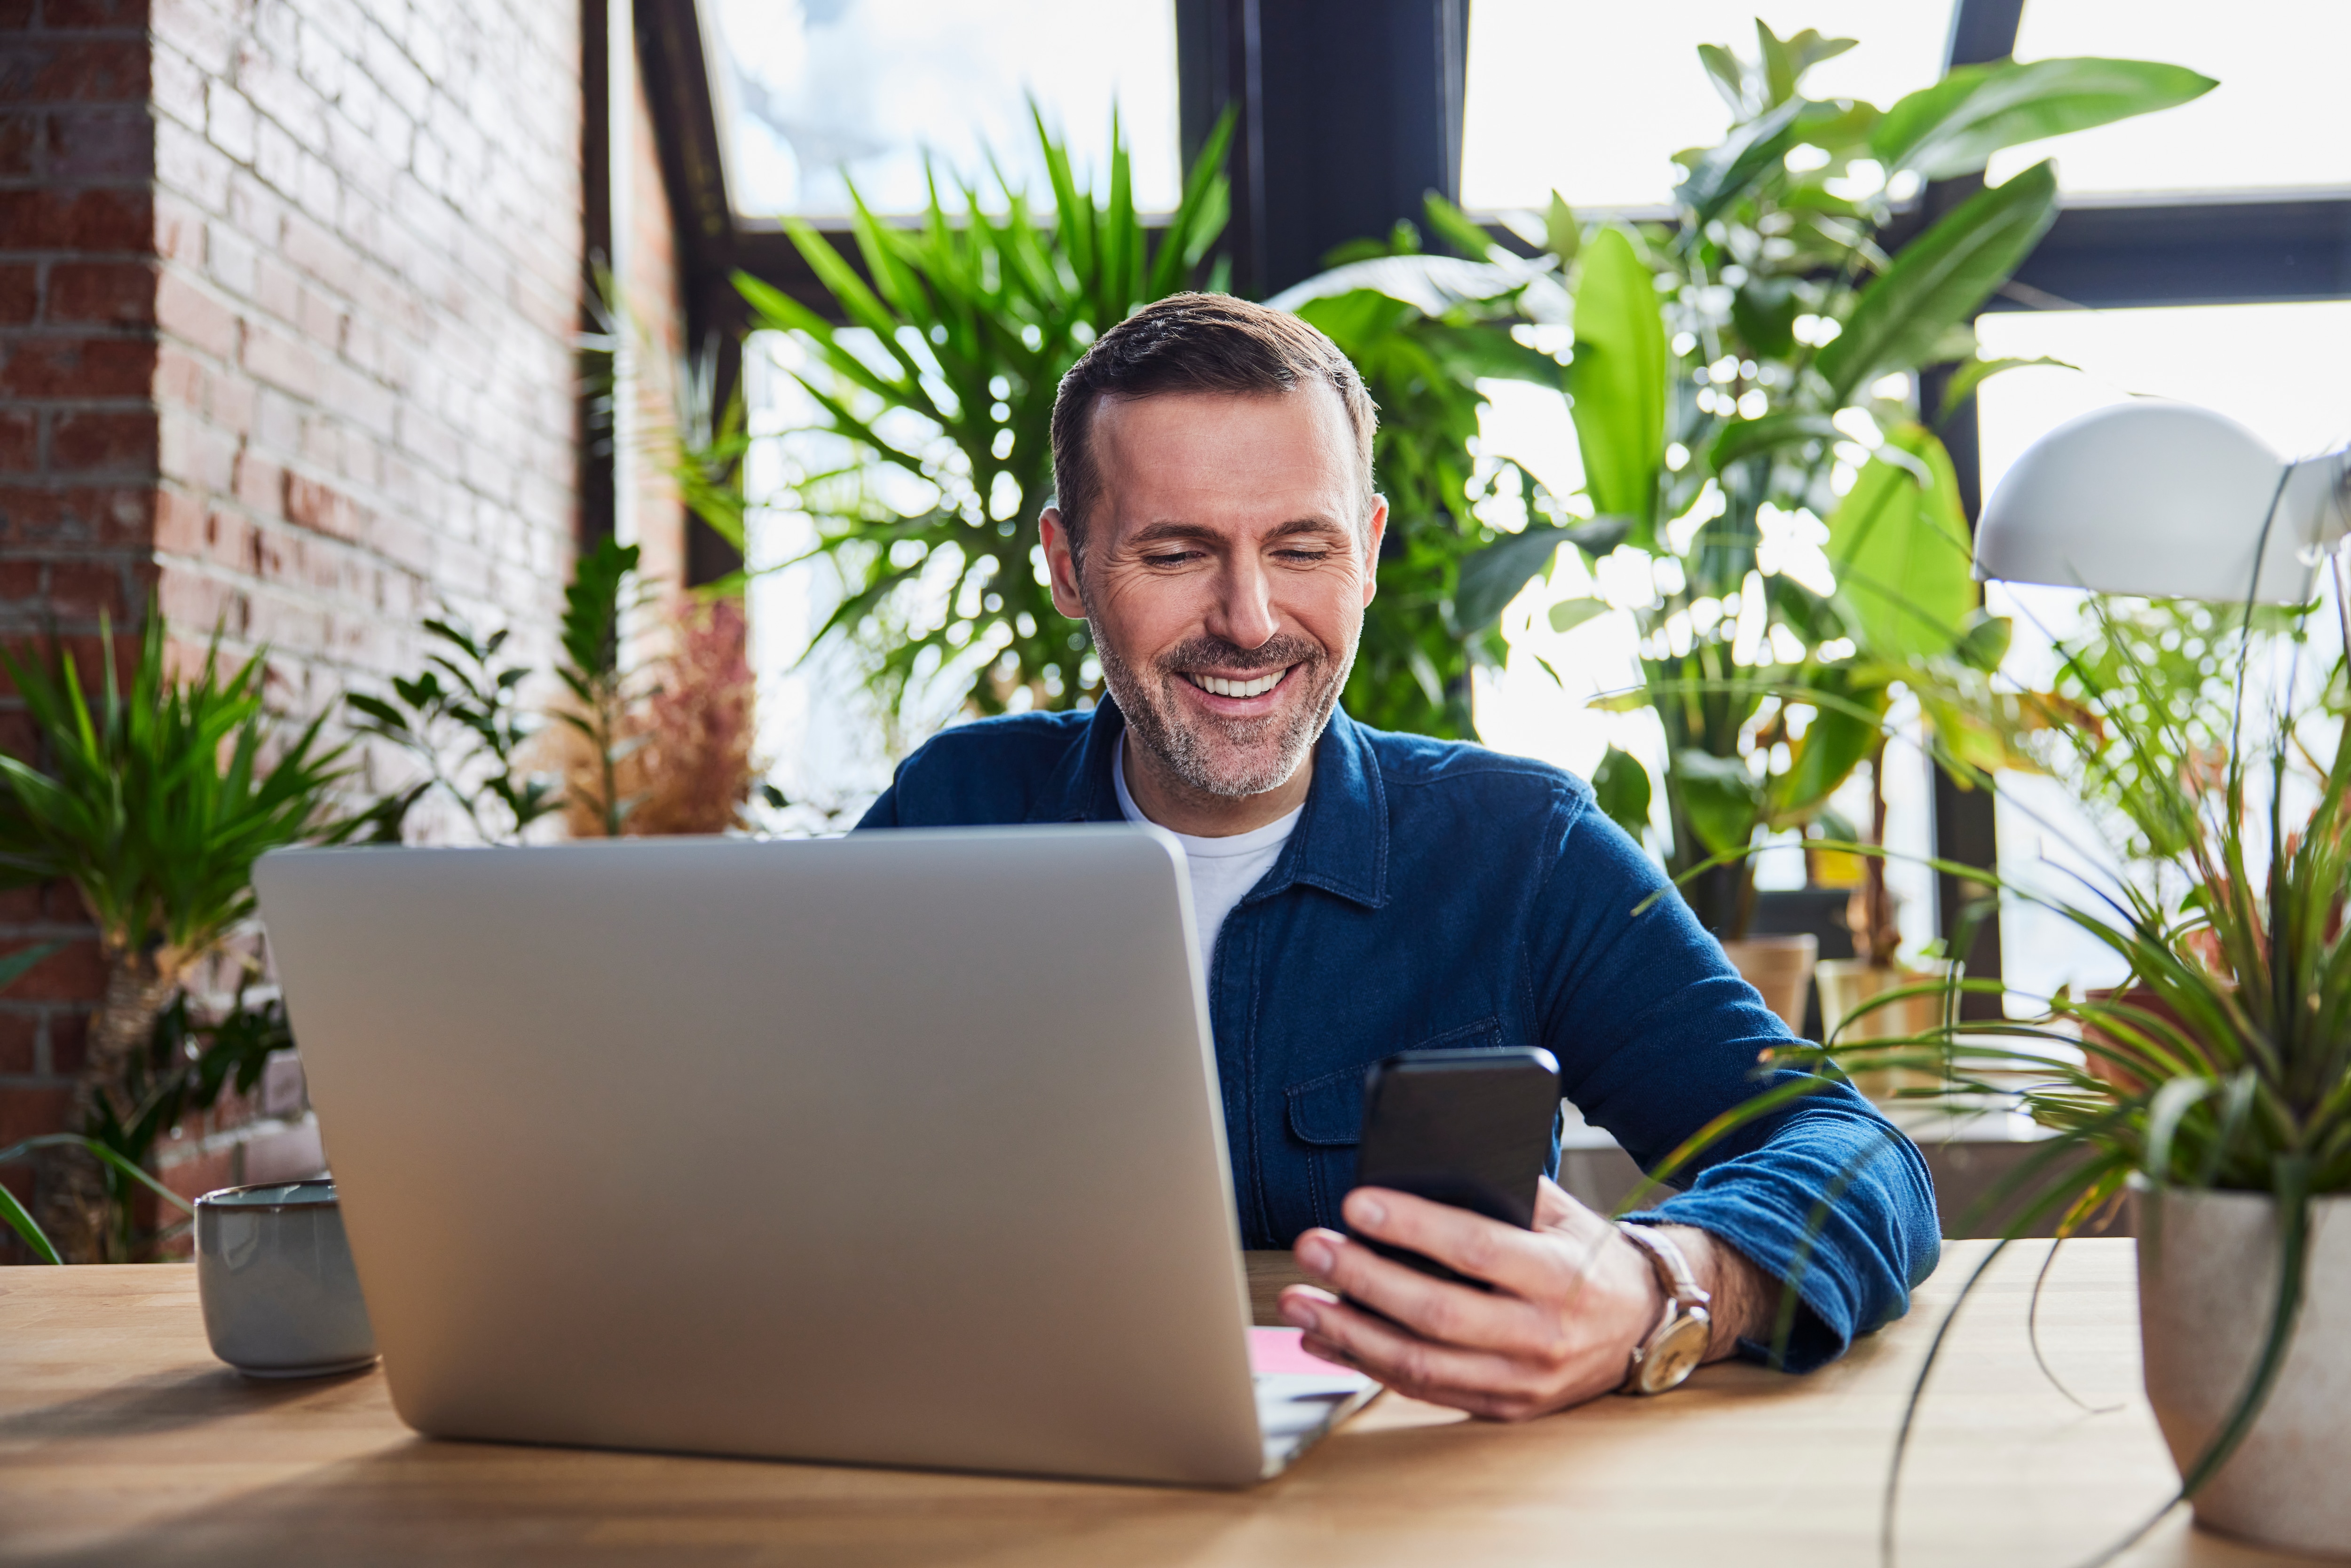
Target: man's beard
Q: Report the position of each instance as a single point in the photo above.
(1185, 741)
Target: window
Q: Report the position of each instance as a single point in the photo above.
(2275, 120)
(2273, 368)
(1590, 99)
(817, 95)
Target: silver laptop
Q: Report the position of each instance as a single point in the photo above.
(898, 1149)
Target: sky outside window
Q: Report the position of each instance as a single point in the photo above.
(815, 89)
(1593, 98)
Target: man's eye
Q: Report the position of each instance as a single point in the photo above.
(1305, 557)
(1173, 558)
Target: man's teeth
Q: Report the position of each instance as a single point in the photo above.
(1225, 689)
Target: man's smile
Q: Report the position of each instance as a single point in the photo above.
(1237, 694)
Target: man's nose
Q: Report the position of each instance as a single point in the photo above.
(1243, 613)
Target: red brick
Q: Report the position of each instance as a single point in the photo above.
(20, 442)
(69, 1040)
(88, 70)
(98, 220)
(28, 1112)
(199, 1174)
(112, 13)
(179, 378)
(84, 589)
(75, 367)
(20, 580)
(20, 294)
(324, 510)
(18, 1032)
(19, 135)
(82, 442)
(105, 517)
(260, 485)
(101, 144)
(184, 311)
(179, 230)
(280, 359)
(61, 900)
(117, 293)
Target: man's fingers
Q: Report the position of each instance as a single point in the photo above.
(1473, 1380)
(1436, 1309)
(1470, 1243)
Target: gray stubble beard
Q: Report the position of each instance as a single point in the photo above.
(1184, 750)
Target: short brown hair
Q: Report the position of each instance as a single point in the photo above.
(1196, 343)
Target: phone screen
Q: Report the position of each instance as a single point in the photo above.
(1471, 1128)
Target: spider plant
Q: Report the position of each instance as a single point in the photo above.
(154, 804)
(2229, 1067)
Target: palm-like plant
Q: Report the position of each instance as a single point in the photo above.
(944, 376)
(154, 805)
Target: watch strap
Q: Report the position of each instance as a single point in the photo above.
(1665, 1355)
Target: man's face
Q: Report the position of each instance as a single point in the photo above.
(1227, 563)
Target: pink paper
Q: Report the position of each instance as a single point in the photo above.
(1278, 1349)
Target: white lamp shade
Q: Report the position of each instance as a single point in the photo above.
(2163, 499)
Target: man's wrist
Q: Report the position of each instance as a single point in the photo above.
(1743, 1295)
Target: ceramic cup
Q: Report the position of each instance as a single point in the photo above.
(274, 1271)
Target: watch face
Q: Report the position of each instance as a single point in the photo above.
(1674, 1354)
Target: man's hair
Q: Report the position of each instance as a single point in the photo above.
(1196, 343)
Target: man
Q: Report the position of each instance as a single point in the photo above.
(1360, 893)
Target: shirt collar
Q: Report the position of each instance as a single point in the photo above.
(1340, 844)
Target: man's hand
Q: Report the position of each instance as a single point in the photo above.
(1572, 1299)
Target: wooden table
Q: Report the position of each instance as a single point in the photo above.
(123, 1442)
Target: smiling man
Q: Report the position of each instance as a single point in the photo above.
(1360, 893)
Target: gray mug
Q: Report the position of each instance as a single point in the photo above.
(273, 1272)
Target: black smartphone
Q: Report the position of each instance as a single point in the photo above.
(1470, 1128)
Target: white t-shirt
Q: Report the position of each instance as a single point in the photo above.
(1223, 869)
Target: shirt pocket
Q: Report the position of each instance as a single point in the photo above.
(1326, 1114)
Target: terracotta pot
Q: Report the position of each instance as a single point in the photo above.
(1847, 983)
(2207, 1284)
(1781, 968)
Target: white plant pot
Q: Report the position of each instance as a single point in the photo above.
(2207, 1270)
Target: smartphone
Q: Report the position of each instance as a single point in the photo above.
(1471, 1128)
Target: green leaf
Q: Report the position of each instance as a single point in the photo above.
(1764, 311)
(1620, 786)
(1723, 174)
(1721, 797)
(1833, 743)
(1974, 374)
(1985, 639)
(1952, 126)
(16, 965)
(1901, 553)
(22, 1223)
(1569, 614)
(1729, 79)
(1456, 227)
(1562, 235)
(1746, 437)
(1618, 381)
(1939, 280)
(1492, 577)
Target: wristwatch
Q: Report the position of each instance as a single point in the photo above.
(1675, 1347)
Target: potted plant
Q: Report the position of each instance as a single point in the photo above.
(1743, 384)
(154, 805)
(2216, 1093)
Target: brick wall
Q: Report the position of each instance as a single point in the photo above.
(77, 440)
(289, 291)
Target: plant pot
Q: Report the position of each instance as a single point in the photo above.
(2207, 1285)
(1781, 968)
(1847, 983)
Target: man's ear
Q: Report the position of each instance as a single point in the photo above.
(1374, 532)
(1061, 563)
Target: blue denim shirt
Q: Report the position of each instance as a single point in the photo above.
(1438, 894)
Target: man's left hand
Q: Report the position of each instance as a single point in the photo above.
(1570, 1299)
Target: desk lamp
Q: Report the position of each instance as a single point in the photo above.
(2167, 501)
